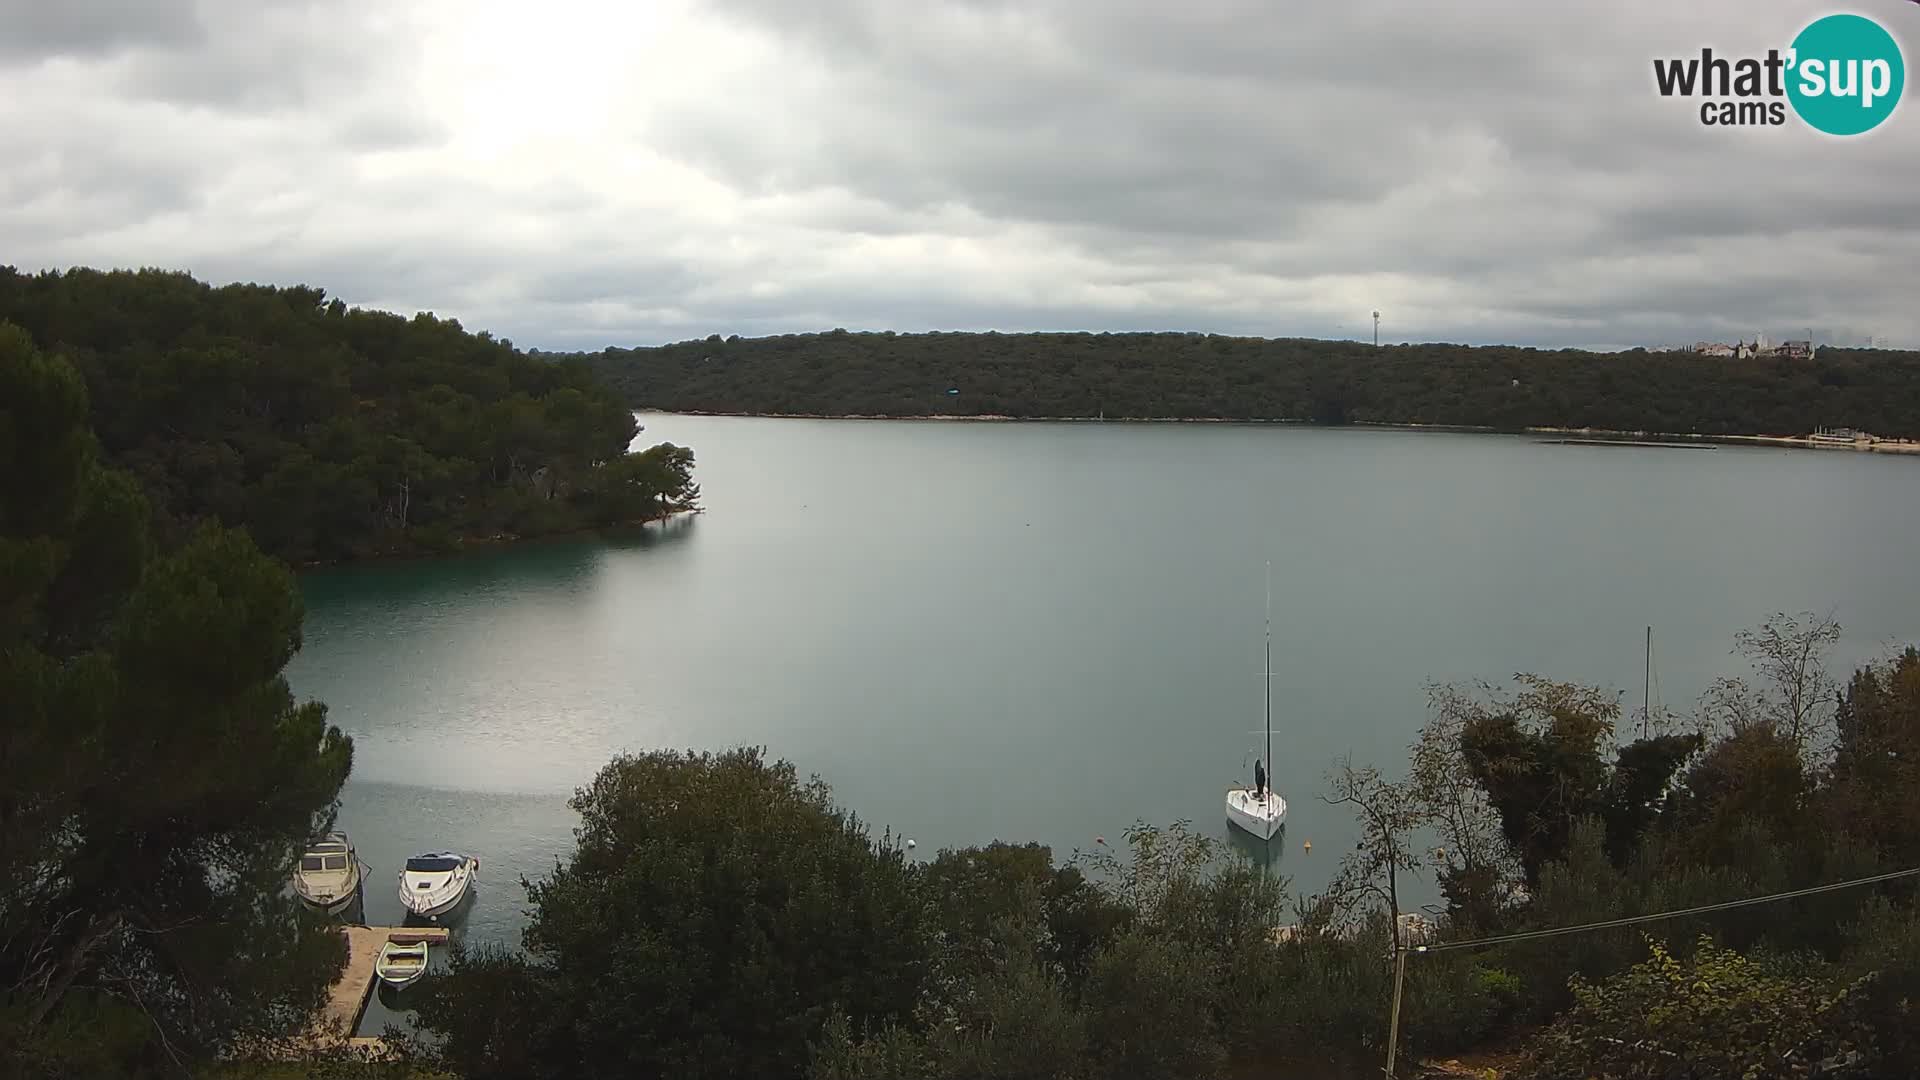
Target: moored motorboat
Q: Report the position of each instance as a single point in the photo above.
(402, 959)
(328, 874)
(435, 883)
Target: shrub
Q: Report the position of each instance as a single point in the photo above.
(1150, 1011)
(715, 914)
(1721, 1014)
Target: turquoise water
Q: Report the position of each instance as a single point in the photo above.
(1047, 631)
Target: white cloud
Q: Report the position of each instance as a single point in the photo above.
(579, 173)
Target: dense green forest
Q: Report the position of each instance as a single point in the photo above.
(156, 774)
(330, 432)
(1209, 376)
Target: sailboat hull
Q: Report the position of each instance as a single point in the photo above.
(1260, 817)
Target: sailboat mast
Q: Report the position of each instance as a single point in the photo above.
(1266, 665)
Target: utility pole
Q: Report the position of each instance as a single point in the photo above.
(1376, 329)
(1399, 981)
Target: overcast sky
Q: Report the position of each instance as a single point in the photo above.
(578, 173)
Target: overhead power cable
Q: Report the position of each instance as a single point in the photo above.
(1608, 924)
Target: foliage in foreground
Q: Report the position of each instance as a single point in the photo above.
(332, 1065)
(1159, 957)
(720, 917)
(156, 775)
(330, 432)
(715, 912)
(1716, 1014)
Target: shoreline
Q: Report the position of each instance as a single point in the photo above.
(474, 544)
(1569, 436)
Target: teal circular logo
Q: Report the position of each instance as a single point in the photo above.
(1846, 74)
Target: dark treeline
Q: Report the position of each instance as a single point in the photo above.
(331, 432)
(157, 776)
(1209, 376)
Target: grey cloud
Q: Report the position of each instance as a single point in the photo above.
(75, 173)
(623, 280)
(269, 56)
(1494, 170)
(376, 128)
(1155, 132)
(1163, 130)
(219, 53)
(35, 30)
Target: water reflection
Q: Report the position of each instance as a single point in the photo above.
(651, 535)
(355, 913)
(1265, 854)
(528, 567)
(397, 999)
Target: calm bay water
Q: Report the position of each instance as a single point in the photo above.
(979, 631)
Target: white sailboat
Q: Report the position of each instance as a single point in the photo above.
(1261, 813)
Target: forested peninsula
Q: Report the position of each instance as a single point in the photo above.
(1208, 376)
(333, 433)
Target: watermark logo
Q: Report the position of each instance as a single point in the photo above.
(1850, 74)
(1842, 75)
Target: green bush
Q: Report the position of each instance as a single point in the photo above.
(1889, 957)
(1453, 1002)
(1720, 1014)
(1329, 995)
(891, 1053)
(1150, 1011)
(715, 914)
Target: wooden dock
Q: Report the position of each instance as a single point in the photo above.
(335, 1024)
(348, 997)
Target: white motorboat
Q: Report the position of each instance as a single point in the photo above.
(402, 959)
(435, 883)
(328, 874)
(1259, 809)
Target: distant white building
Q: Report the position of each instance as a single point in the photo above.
(1795, 350)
